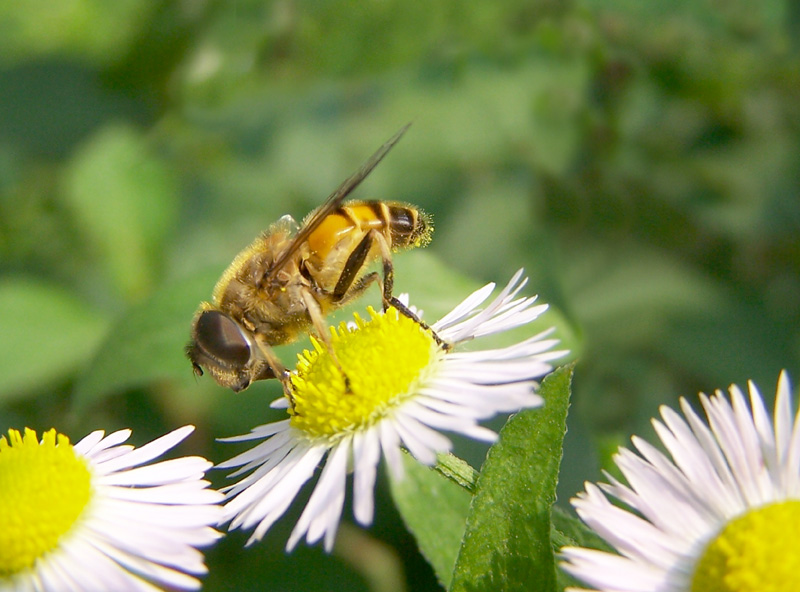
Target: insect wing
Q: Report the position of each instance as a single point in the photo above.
(334, 200)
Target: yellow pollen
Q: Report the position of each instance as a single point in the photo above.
(44, 487)
(384, 359)
(757, 552)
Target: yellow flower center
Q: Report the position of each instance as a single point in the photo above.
(384, 360)
(757, 552)
(44, 487)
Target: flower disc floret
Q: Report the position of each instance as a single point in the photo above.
(44, 488)
(383, 358)
(754, 553)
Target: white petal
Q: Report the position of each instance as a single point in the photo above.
(147, 452)
(390, 444)
(464, 308)
(324, 507)
(259, 432)
(422, 442)
(95, 443)
(366, 455)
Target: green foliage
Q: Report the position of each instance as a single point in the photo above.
(83, 29)
(125, 228)
(638, 159)
(48, 334)
(434, 510)
(146, 345)
(507, 541)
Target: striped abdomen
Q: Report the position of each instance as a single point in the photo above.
(402, 225)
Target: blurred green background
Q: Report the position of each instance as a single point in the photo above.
(641, 160)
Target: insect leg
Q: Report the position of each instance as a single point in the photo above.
(360, 286)
(342, 291)
(318, 321)
(347, 287)
(388, 285)
(277, 369)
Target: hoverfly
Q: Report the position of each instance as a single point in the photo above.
(289, 279)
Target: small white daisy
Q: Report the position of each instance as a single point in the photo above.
(90, 517)
(722, 515)
(402, 389)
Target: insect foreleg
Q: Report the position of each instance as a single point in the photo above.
(318, 321)
(278, 370)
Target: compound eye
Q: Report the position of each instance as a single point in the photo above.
(402, 220)
(222, 338)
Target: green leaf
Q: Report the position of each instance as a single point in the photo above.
(147, 344)
(47, 333)
(507, 541)
(96, 32)
(125, 201)
(267, 565)
(434, 510)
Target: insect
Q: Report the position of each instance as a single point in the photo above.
(289, 278)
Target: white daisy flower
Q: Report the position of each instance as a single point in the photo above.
(402, 388)
(722, 515)
(94, 517)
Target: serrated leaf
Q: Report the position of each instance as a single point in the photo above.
(147, 344)
(507, 540)
(434, 510)
(124, 201)
(47, 333)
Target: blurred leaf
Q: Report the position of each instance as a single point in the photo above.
(77, 100)
(92, 29)
(147, 343)
(125, 201)
(479, 216)
(47, 334)
(267, 567)
(633, 291)
(652, 319)
(507, 541)
(434, 510)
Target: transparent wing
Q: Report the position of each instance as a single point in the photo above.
(334, 200)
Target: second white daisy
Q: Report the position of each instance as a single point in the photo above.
(401, 389)
(722, 515)
(100, 516)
